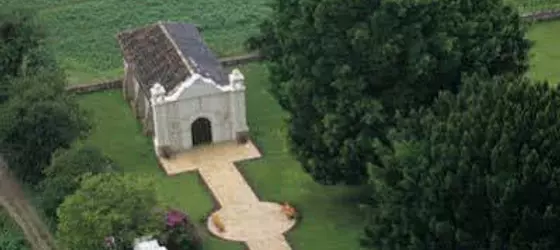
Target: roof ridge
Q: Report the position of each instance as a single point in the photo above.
(176, 47)
(131, 30)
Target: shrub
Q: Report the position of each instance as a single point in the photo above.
(180, 233)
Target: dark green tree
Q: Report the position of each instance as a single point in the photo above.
(66, 171)
(22, 48)
(39, 119)
(480, 170)
(333, 65)
(121, 206)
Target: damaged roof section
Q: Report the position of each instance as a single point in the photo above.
(169, 53)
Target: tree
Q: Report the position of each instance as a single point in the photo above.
(343, 68)
(68, 168)
(479, 170)
(39, 119)
(22, 48)
(109, 205)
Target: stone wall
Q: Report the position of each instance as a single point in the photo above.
(545, 15)
(88, 88)
(227, 62)
(233, 61)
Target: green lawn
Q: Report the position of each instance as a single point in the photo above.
(331, 218)
(545, 58)
(83, 31)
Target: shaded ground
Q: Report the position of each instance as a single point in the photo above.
(12, 199)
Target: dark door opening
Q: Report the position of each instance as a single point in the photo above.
(201, 131)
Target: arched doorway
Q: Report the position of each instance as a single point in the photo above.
(201, 131)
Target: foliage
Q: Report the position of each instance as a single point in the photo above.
(109, 204)
(331, 61)
(180, 233)
(66, 171)
(478, 171)
(11, 237)
(22, 48)
(39, 119)
(334, 221)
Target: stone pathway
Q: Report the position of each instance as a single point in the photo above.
(260, 225)
(231, 192)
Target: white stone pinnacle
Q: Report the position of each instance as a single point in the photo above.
(157, 91)
(236, 79)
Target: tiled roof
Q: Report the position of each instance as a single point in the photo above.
(169, 53)
(200, 57)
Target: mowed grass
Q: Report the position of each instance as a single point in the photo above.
(82, 32)
(331, 217)
(545, 55)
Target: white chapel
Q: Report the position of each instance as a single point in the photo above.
(179, 90)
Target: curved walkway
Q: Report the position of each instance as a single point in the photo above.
(12, 199)
(260, 225)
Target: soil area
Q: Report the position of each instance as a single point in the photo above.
(13, 200)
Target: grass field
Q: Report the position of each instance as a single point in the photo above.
(331, 218)
(545, 58)
(83, 31)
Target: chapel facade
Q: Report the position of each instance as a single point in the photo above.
(179, 90)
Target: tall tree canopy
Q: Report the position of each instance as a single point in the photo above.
(36, 121)
(22, 48)
(342, 68)
(481, 170)
(66, 171)
(122, 206)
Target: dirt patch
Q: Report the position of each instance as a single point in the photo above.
(13, 200)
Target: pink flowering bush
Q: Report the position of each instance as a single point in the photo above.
(180, 233)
